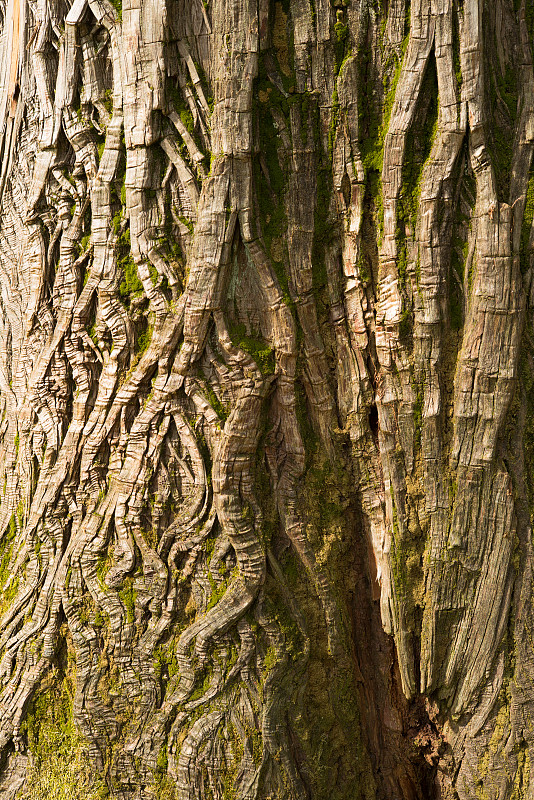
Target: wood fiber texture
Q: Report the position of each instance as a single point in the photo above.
(266, 399)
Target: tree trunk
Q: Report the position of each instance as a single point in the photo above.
(266, 385)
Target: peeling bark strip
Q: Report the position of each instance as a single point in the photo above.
(266, 381)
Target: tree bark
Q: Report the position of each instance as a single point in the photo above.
(266, 375)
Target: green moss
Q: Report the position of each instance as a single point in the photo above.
(165, 662)
(418, 146)
(6, 550)
(270, 180)
(526, 226)
(59, 767)
(325, 229)
(117, 5)
(326, 715)
(202, 685)
(20, 514)
(309, 437)
(340, 45)
(405, 324)
(374, 115)
(144, 337)
(522, 775)
(502, 727)
(127, 595)
(341, 31)
(208, 94)
(407, 550)
(502, 105)
(509, 89)
(255, 742)
(291, 566)
(529, 17)
(471, 273)
(187, 222)
(363, 269)
(456, 307)
(163, 760)
(374, 125)
(220, 409)
(165, 788)
(397, 560)
(152, 271)
(460, 242)
(108, 101)
(373, 145)
(116, 223)
(230, 774)
(102, 566)
(255, 346)
(287, 626)
(402, 252)
(130, 285)
(9, 594)
(92, 332)
(269, 660)
(181, 108)
(217, 591)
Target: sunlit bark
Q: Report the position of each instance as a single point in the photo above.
(265, 376)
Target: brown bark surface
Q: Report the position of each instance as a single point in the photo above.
(266, 375)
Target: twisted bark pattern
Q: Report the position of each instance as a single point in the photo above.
(200, 359)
